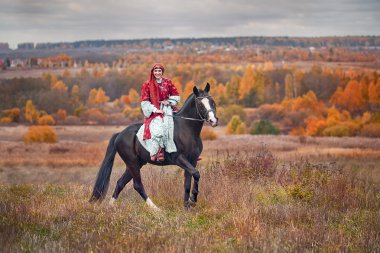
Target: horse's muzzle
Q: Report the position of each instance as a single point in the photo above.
(213, 123)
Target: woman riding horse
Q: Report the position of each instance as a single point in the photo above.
(188, 123)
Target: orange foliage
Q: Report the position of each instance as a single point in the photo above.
(13, 114)
(298, 131)
(62, 114)
(314, 126)
(5, 120)
(371, 130)
(133, 113)
(134, 97)
(31, 113)
(59, 86)
(247, 82)
(351, 98)
(374, 92)
(308, 102)
(40, 134)
(208, 134)
(46, 120)
(125, 99)
(97, 96)
(236, 126)
(188, 90)
(93, 115)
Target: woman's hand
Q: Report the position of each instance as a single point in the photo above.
(165, 102)
(159, 112)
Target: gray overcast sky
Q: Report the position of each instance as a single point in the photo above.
(68, 20)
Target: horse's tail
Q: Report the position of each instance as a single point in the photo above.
(104, 174)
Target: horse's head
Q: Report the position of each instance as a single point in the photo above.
(206, 106)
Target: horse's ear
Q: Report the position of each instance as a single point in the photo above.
(195, 90)
(207, 88)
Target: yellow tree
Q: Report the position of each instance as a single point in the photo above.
(31, 113)
(75, 94)
(134, 97)
(59, 86)
(289, 87)
(188, 90)
(232, 89)
(247, 82)
(374, 92)
(101, 97)
(177, 83)
(220, 95)
(92, 96)
(353, 98)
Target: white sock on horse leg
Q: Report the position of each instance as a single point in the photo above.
(152, 205)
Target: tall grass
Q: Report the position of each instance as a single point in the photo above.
(248, 202)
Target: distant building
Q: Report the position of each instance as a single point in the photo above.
(4, 46)
(27, 45)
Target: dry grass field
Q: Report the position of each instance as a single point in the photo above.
(257, 193)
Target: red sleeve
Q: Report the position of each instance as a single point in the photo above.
(145, 95)
(172, 89)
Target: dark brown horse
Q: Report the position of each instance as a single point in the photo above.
(188, 123)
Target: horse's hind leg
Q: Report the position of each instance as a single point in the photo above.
(121, 183)
(139, 187)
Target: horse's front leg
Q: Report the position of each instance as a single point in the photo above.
(194, 193)
(190, 171)
(187, 186)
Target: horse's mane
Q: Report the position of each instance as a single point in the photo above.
(187, 103)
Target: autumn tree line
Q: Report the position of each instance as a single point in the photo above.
(254, 98)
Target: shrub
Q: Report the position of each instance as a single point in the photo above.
(93, 115)
(72, 120)
(271, 111)
(233, 125)
(226, 114)
(40, 134)
(133, 113)
(342, 129)
(371, 130)
(298, 131)
(264, 127)
(5, 120)
(208, 134)
(254, 165)
(13, 114)
(62, 114)
(336, 130)
(46, 120)
(241, 129)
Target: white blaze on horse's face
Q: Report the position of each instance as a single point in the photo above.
(211, 114)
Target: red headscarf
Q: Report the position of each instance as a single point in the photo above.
(153, 88)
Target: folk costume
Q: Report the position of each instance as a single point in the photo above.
(157, 132)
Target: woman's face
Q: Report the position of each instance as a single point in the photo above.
(157, 72)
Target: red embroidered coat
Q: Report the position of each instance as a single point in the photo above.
(155, 93)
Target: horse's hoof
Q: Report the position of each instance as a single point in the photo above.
(112, 201)
(193, 203)
(187, 205)
(152, 206)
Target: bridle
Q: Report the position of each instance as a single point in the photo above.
(199, 114)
